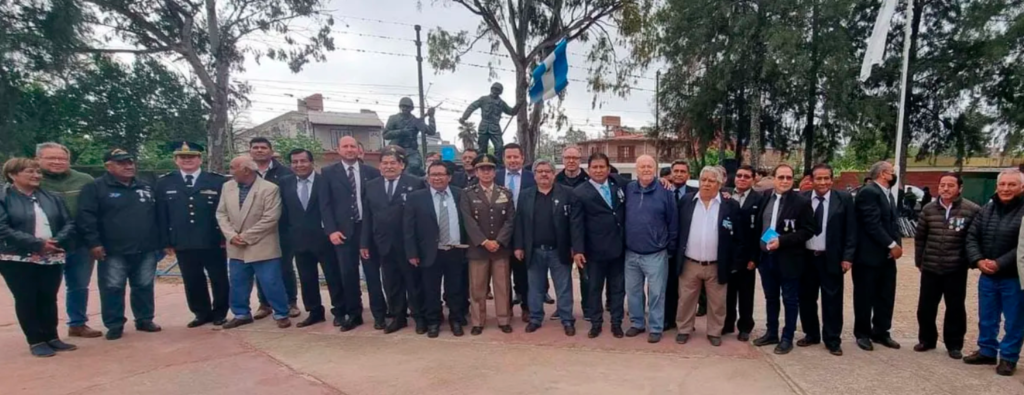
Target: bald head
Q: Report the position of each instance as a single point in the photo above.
(243, 169)
(348, 149)
(646, 169)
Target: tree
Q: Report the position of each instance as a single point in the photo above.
(284, 145)
(524, 32)
(214, 37)
(574, 136)
(467, 134)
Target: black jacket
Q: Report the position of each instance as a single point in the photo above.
(876, 225)
(18, 221)
(382, 217)
(187, 217)
(750, 208)
(572, 183)
(302, 229)
(120, 218)
(840, 231)
(994, 233)
(795, 225)
(277, 172)
(597, 230)
(419, 225)
(733, 253)
(462, 179)
(940, 242)
(563, 200)
(336, 197)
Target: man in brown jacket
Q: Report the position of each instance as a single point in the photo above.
(939, 244)
(489, 214)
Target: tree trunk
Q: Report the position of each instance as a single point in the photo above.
(755, 130)
(812, 93)
(217, 129)
(908, 134)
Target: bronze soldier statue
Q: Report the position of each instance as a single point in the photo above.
(491, 107)
(403, 130)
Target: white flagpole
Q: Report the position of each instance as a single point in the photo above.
(908, 28)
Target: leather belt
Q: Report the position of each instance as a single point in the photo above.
(702, 263)
(545, 248)
(817, 252)
(451, 247)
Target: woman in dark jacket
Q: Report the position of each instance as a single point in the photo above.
(35, 229)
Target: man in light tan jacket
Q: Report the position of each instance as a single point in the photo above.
(248, 215)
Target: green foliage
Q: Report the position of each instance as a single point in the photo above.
(284, 145)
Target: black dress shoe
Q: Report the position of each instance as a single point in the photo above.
(517, 299)
(807, 342)
(379, 324)
(921, 347)
(237, 322)
(653, 338)
(865, 344)
(351, 324)
(311, 320)
(476, 331)
(220, 321)
(147, 326)
(1005, 368)
(116, 333)
(955, 354)
(198, 322)
(570, 330)
(456, 328)
(887, 342)
(634, 332)
(42, 350)
(715, 340)
(60, 346)
(617, 331)
(338, 320)
(766, 340)
(433, 331)
(835, 350)
(682, 338)
(594, 331)
(421, 327)
(784, 347)
(743, 336)
(548, 299)
(531, 327)
(977, 359)
(395, 326)
(505, 328)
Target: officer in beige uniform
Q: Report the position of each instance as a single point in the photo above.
(489, 211)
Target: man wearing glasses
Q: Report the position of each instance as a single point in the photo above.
(740, 298)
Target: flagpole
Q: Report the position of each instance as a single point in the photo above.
(908, 28)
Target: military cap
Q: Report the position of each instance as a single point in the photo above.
(484, 161)
(117, 155)
(185, 148)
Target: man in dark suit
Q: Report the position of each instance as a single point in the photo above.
(874, 266)
(711, 245)
(186, 204)
(789, 222)
(382, 239)
(830, 255)
(739, 314)
(262, 152)
(516, 179)
(598, 242)
(679, 174)
(543, 242)
(435, 245)
(302, 229)
(341, 205)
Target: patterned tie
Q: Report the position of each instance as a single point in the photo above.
(391, 189)
(188, 180)
(355, 195)
(606, 193)
(304, 193)
(443, 231)
(512, 184)
(819, 215)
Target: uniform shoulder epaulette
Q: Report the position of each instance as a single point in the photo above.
(502, 188)
(168, 173)
(216, 174)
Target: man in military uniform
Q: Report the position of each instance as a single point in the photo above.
(403, 130)
(491, 107)
(186, 203)
(489, 212)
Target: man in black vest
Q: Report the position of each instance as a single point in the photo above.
(186, 204)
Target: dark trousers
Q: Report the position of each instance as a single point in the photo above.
(287, 276)
(874, 295)
(740, 299)
(450, 268)
(195, 266)
(35, 297)
(348, 256)
(671, 292)
(402, 284)
(935, 287)
(584, 291)
(815, 277)
(610, 273)
(309, 264)
(520, 281)
(776, 286)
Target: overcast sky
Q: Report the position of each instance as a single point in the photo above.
(351, 80)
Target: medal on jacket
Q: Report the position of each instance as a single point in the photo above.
(787, 222)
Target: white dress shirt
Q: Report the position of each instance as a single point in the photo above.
(949, 209)
(263, 173)
(358, 186)
(742, 197)
(817, 243)
(453, 213)
(775, 212)
(195, 176)
(702, 244)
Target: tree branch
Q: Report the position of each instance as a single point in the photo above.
(124, 50)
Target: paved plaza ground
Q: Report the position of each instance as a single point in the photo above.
(261, 359)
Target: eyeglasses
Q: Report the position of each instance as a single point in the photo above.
(439, 175)
(744, 176)
(784, 178)
(570, 158)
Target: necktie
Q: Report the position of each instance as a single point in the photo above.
(819, 215)
(679, 193)
(391, 188)
(304, 193)
(512, 182)
(188, 180)
(355, 195)
(606, 193)
(443, 236)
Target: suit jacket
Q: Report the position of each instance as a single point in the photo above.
(382, 216)
(277, 172)
(795, 225)
(336, 198)
(732, 236)
(876, 225)
(256, 221)
(562, 202)
(526, 177)
(840, 230)
(462, 179)
(419, 225)
(598, 230)
(188, 216)
(302, 227)
(488, 217)
(750, 208)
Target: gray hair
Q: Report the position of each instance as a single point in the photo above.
(877, 169)
(543, 162)
(1014, 173)
(246, 161)
(572, 147)
(716, 171)
(49, 144)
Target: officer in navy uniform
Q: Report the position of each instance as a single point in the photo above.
(187, 202)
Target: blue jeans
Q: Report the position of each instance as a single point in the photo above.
(138, 271)
(774, 285)
(653, 268)
(268, 273)
(561, 274)
(1000, 296)
(77, 274)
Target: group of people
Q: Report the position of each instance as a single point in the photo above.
(486, 230)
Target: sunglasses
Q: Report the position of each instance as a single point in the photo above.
(743, 176)
(784, 178)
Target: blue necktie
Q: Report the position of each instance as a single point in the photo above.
(606, 193)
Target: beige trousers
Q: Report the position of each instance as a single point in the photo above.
(694, 275)
(481, 273)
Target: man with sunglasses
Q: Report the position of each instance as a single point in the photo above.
(740, 297)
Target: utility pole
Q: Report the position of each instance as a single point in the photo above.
(657, 103)
(419, 66)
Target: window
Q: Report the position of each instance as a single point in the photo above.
(626, 153)
(338, 133)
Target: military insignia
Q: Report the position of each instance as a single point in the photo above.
(502, 199)
(477, 201)
(208, 192)
(408, 188)
(787, 222)
(403, 195)
(726, 223)
(114, 195)
(621, 195)
(752, 218)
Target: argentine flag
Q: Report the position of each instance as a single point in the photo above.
(551, 76)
